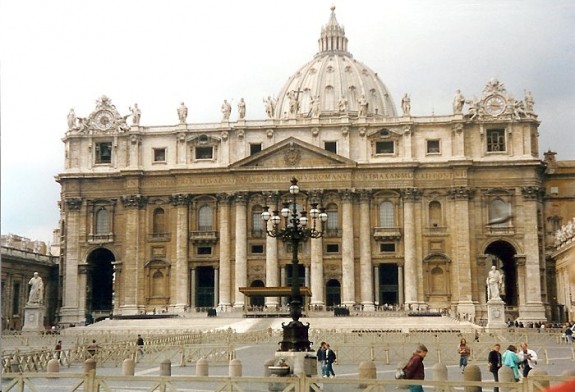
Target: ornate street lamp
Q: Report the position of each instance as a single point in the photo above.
(294, 231)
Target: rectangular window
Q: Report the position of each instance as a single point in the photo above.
(204, 250)
(104, 152)
(387, 247)
(204, 152)
(433, 147)
(495, 140)
(384, 147)
(258, 249)
(16, 298)
(330, 146)
(255, 148)
(332, 248)
(159, 155)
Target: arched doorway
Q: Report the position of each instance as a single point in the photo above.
(100, 285)
(504, 259)
(332, 293)
(257, 300)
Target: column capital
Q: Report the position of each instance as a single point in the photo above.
(224, 198)
(461, 192)
(134, 201)
(241, 198)
(73, 203)
(316, 195)
(411, 194)
(365, 194)
(179, 199)
(532, 192)
(347, 194)
(520, 259)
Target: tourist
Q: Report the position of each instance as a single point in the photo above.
(415, 370)
(140, 344)
(464, 352)
(58, 350)
(321, 358)
(494, 360)
(330, 358)
(510, 359)
(528, 358)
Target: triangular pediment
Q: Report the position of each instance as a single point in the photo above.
(291, 153)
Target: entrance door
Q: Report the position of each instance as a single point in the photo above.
(258, 300)
(505, 261)
(332, 293)
(388, 284)
(205, 287)
(100, 285)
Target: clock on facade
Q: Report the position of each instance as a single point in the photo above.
(104, 119)
(495, 105)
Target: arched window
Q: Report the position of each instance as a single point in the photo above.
(332, 219)
(205, 218)
(102, 221)
(435, 214)
(159, 221)
(386, 214)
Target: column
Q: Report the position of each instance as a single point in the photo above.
(410, 195)
(400, 288)
(133, 275)
(316, 271)
(376, 284)
(225, 262)
(532, 309)
(72, 311)
(366, 268)
(216, 286)
(283, 280)
(347, 251)
(272, 268)
(241, 270)
(193, 289)
(461, 249)
(182, 273)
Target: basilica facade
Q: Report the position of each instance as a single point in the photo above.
(168, 218)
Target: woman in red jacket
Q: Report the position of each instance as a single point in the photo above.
(414, 370)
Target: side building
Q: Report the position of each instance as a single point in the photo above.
(419, 207)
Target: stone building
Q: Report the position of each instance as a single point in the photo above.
(419, 207)
(21, 257)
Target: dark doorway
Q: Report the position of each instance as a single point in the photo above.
(300, 273)
(332, 293)
(100, 284)
(388, 284)
(205, 287)
(504, 260)
(257, 300)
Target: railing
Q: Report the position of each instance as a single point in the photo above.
(204, 237)
(93, 382)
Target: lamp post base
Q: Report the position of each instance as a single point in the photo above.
(295, 337)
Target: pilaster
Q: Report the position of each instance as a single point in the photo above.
(181, 204)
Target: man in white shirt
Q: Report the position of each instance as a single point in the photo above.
(528, 358)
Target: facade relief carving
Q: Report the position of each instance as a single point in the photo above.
(532, 192)
(73, 203)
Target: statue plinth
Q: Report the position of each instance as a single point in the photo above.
(496, 314)
(34, 317)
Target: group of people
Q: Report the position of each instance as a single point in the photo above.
(326, 358)
(521, 361)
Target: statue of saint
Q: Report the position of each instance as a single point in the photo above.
(182, 113)
(293, 103)
(406, 104)
(270, 106)
(529, 102)
(314, 103)
(458, 102)
(242, 109)
(36, 290)
(494, 283)
(342, 104)
(71, 119)
(363, 106)
(136, 114)
(226, 110)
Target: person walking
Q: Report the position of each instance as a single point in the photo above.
(58, 351)
(528, 358)
(321, 358)
(330, 358)
(510, 359)
(140, 344)
(415, 370)
(495, 362)
(464, 352)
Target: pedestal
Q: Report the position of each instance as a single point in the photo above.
(496, 314)
(34, 318)
(300, 362)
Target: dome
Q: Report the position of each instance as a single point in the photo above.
(334, 83)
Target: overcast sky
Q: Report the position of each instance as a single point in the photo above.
(57, 55)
